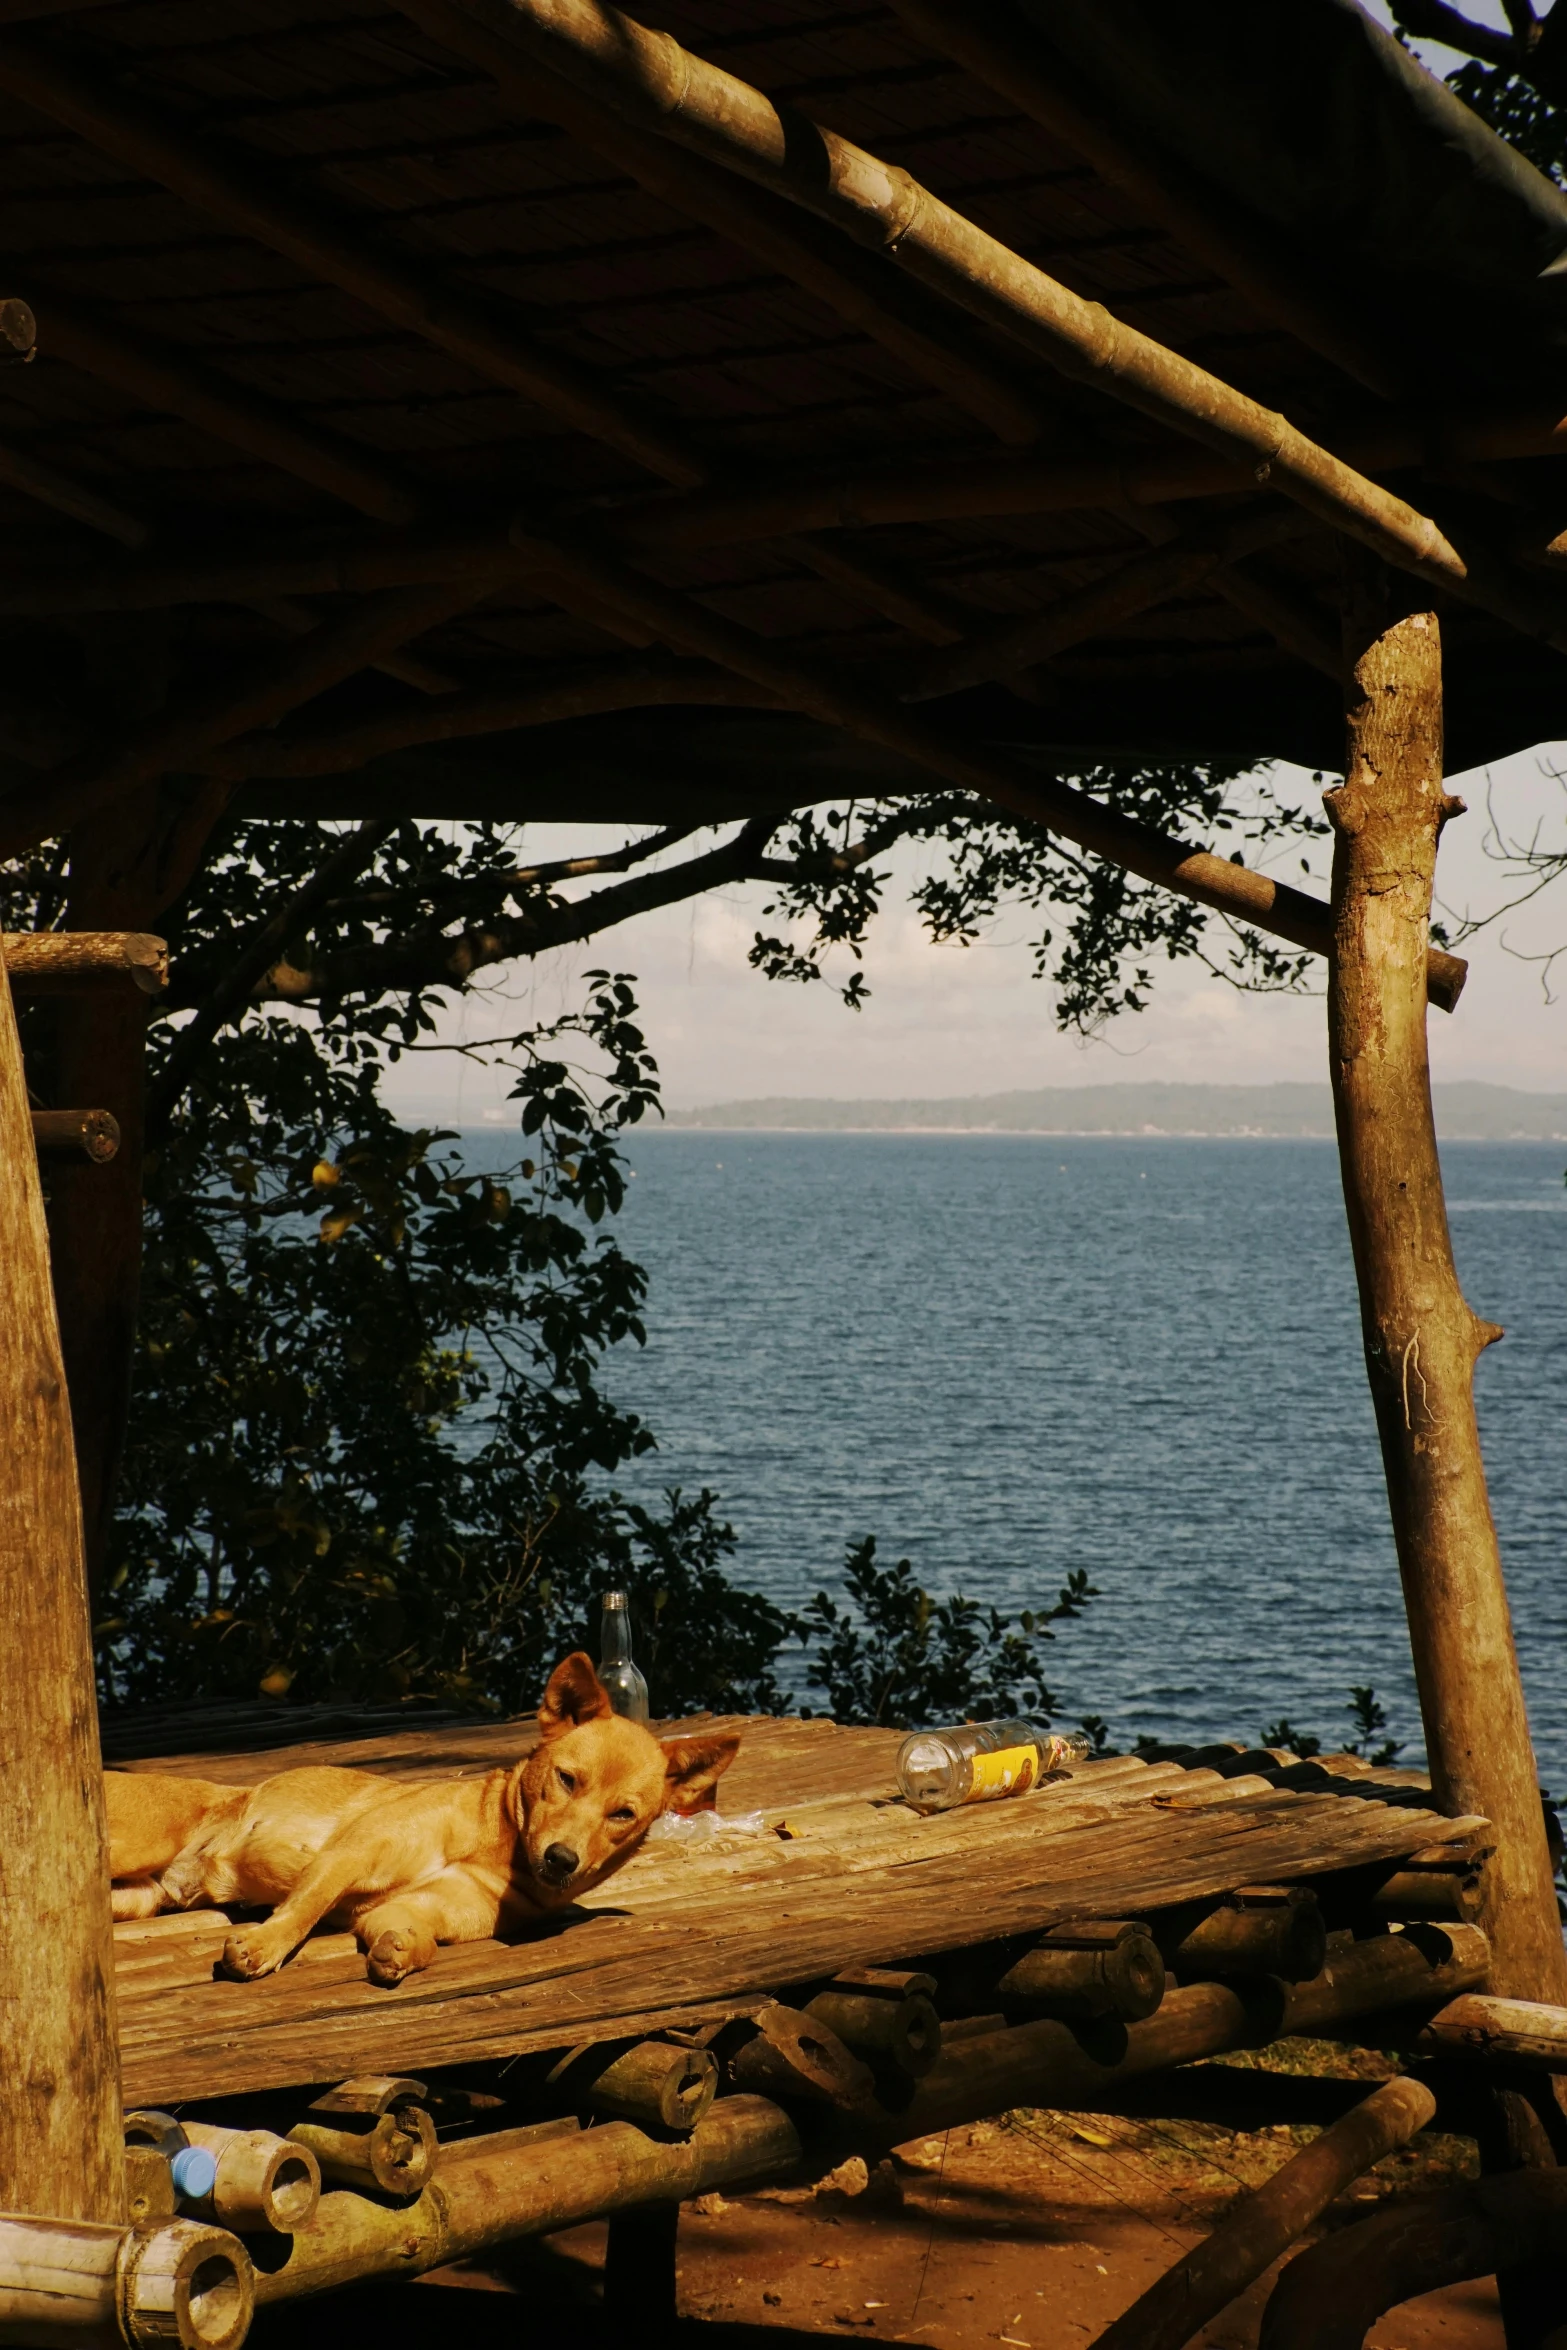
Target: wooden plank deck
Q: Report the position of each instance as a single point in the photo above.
(697, 1930)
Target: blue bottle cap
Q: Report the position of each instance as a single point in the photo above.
(194, 2173)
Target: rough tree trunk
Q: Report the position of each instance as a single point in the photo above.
(61, 2153)
(1421, 1339)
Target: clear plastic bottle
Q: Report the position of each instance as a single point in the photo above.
(619, 1674)
(977, 1762)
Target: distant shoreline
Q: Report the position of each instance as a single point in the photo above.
(1466, 1111)
(1056, 1133)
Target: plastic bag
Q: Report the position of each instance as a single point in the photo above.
(688, 1828)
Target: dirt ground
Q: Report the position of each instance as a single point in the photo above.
(1032, 2230)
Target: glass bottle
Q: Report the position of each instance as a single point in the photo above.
(620, 1676)
(977, 1762)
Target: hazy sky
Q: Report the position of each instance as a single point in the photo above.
(951, 1020)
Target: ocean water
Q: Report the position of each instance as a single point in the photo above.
(1008, 1356)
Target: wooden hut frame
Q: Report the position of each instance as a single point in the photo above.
(1160, 559)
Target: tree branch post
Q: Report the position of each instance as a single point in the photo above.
(1421, 1339)
(61, 2142)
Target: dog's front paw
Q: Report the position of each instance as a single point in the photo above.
(392, 1955)
(255, 1953)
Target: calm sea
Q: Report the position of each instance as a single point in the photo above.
(1009, 1356)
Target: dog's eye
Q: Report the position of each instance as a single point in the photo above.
(624, 1813)
(568, 1780)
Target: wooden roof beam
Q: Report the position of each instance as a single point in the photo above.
(590, 691)
(1019, 64)
(177, 384)
(577, 569)
(1138, 585)
(420, 301)
(871, 497)
(423, 301)
(173, 741)
(852, 285)
(660, 86)
(981, 488)
(1293, 621)
(65, 495)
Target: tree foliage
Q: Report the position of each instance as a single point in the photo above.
(892, 1655)
(371, 1452)
(1513, 72)
(1103, 927)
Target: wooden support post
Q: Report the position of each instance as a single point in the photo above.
(95, 1212)
(61, 2149)
(1421, 1339)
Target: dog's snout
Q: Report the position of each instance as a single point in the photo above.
(560, 1862)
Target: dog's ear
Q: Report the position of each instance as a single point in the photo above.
(693, 1768)
(575, 1694)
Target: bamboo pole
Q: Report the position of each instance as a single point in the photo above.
(61, 2148)
(1259, 1930)
(526, 2182)
(1263, 2224)
(59, 962)
(1196, 873)
(1421, 1339)
(1048, 2062)
(93, 1135)
(480, 2198)
(264, 2183)
(98, 2288)
(1022, 67)
(1526, 2030)
(657, 85)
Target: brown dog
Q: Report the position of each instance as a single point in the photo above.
(453, 1861)
(152, 1818)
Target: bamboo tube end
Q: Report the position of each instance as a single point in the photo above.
(185, 2283)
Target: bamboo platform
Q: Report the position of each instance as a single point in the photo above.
(842, 1876)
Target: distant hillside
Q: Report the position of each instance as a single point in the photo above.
(1465, 1112)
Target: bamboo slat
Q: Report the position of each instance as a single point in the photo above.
(681, 1932)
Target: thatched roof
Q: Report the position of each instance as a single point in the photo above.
(292, 262)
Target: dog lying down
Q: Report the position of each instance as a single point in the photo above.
(409, 1867)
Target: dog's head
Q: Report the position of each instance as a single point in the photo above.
(586, 1796)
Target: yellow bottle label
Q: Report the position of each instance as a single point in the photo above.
(1009, 1771)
